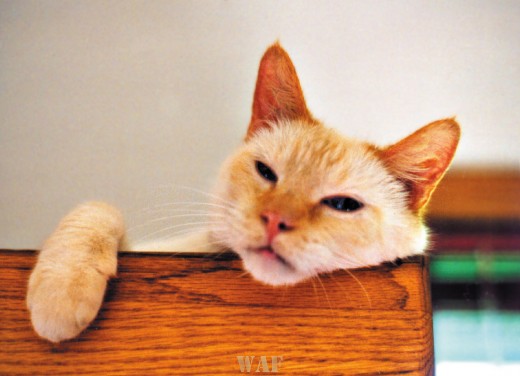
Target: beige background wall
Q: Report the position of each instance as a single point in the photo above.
(127, 100)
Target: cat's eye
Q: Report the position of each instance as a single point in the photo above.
(266, 172)
(342, 203)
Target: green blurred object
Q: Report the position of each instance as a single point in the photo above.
(474, 267)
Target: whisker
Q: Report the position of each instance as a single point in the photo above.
(314, 288)
(183, 209)
(341, 287)
(190, 203)
(205, 193)
(325, 291)
(168, 188)
(351, 259)
(150, 235)
(180, 233)
(362, 287)
(219, 253)
(169, 217)
(242, 275)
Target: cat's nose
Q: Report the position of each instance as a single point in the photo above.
(274, 224)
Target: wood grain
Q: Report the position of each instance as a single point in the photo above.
(193, 315)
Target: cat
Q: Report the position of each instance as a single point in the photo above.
(295, 200)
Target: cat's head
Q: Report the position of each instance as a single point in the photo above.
(302, 199)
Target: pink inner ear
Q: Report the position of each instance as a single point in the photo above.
(422, 158)
(278, 94)
(264, 103)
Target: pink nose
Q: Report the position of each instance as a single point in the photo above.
(274, 224)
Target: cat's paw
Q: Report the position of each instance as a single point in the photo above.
(67, 286)
(63, 300)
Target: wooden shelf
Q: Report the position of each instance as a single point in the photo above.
(193, 314)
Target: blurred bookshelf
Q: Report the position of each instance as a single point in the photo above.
(475, 272)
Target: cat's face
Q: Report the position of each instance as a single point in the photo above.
(298, 199)
(311, 165)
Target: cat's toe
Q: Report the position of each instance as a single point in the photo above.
(62, 304)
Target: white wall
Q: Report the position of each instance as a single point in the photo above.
(121, 100)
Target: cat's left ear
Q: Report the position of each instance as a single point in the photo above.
(421, 159)
(278, 94)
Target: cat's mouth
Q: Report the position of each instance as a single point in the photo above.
(269, 253)
(268, 266)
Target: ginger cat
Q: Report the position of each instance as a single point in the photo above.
(295, 200)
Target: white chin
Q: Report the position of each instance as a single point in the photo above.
(271, 272)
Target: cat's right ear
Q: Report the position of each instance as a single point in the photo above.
(278, 94)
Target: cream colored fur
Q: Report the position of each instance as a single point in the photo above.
(311, 162)
(67, 285)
